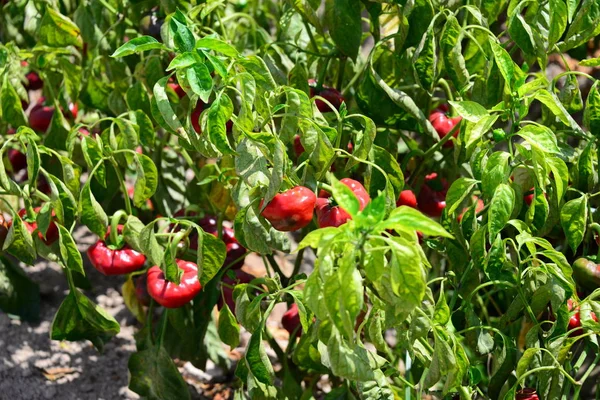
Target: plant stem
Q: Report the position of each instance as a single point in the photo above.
(163, 328)
(123, 186)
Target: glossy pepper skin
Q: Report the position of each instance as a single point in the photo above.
(407, 198)
(51, 233)
(329, 215)
(115, 261)
(442, 124)
(586, 273)
(18, 160)
(432, 197)
(169, 294)
(330, 94)
(527, 394)
(291, 321)
(291, 210)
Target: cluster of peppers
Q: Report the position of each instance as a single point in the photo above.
(112, 256)
(293, 209)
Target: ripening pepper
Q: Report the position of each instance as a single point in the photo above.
(291, 210)
(586, 273)
(115, 261)
(18, 160)
(330, 215)
(172, 295)
(432, 197)
(442, 124)
(330, 94)
(291, 321)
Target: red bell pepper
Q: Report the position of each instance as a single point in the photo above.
(330, 94)
(291, 321)
(407, 198)
(291, 210)
(169, 294)
(329, 214)
(18, 160)
(51, 232)
(111, 261)
(432, 197)
(575, 320)
(442, 124)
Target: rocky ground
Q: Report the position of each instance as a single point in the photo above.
(34, 367)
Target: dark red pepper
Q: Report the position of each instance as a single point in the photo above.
(330, 215)
(407, 198)
(291, 321)
(298, 148)
(196, 116)
(330, 94)
(169, 294)
(51, 233)
(40, 115)
(177, 89)
(442, 124)
(110, 261)
(291, 210)
(432, 197)
(17, 160)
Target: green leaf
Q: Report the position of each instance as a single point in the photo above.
(256, 357)
(229, 329)
(458, 192)
(259, 71)
(70, 255)
(149, 245)
(425, 61)
(521, 32)
(165, 109)
(19, 242)
(407, 275)
(56, 30)
(19, 295)
(128, 291)
(92, 153)
(407, 219)
(147, 132)
(217, 116)
(78, 318)
(91, 212)
(501, 207)
(469, 110)
(154, 375)
(590, 62)
(217, 45)
(211, 256)
(591, 114)
(138, 45)
(511, 73)
(347, 362)
(363, 142)
(137, 99)
(541, 137)
(454, 61)
(33, 163)
(12, 110)
(146, 181)
(182, 35)
(200, 81)
(496, 172)
(558, 22)
(573, 218)
(526, 360)
(345, 26)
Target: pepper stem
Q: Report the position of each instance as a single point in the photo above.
(114, 226)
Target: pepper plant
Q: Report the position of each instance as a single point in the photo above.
(445, 178)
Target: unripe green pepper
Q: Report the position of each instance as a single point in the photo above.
(586, 273)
